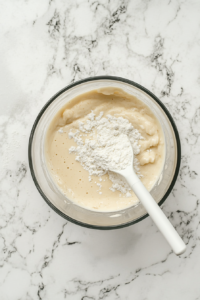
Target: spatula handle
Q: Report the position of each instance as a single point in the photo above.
(156, 214)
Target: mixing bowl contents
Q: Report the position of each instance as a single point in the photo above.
(93, 133)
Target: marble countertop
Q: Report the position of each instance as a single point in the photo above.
(45, 45)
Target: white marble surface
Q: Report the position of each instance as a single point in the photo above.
(45, 45)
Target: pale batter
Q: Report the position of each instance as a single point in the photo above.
(68, 173)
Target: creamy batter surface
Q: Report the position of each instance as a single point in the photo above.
(68, 173)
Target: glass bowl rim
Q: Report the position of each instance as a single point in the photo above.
(76, 83)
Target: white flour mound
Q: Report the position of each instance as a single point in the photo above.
(107, 146)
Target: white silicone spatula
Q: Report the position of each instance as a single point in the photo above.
(153, 209)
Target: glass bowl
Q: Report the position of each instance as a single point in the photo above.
(64, 206)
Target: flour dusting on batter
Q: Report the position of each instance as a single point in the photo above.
(108, 145)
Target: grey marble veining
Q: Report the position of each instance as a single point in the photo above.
(46, 45)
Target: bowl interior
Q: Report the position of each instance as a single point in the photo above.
(64, 206)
